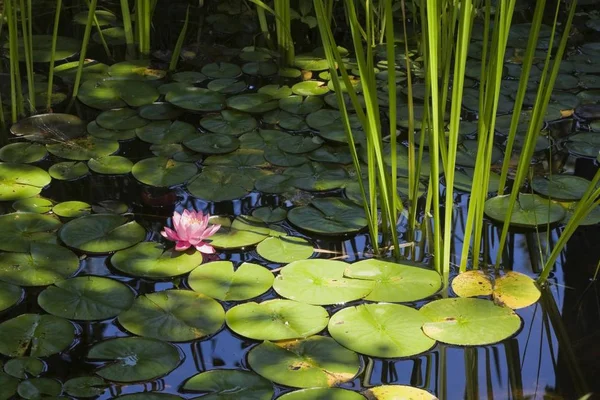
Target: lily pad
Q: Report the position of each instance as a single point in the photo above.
(151, 260)
(20, 181)
(322, 394)
(24, 367)
(318, 177)
(260, 68)
(221, 70)
(471, 284)
(134, 359)
(215, 184)
(85, 386)
(86, 298)
(42, 48)
(284, 249)
(223, 384)
(310, 88)
(219, 280)
(159, 111)
(269, 215)
(109, 93)
(395, 282)
(84, 148)
(49, 128)
(561, 187)
(42, 264)
(23, 153)
(329, 216)
(72, 209)
(163, 172)
(39, 388)
(229, 123)
(38, 205)
(592, 218)
(110, 207)
(21, 229)
(280, 158)
(277, 320)
(468, 322)
(276, 91)
(92, 70)
(253, 103)
(136, 70)
(9, 295)
(319, 282)
(299, 144)
(114, 36)
(103, 17)
(193, 98)
(530, 210)
(149, 396)
(381, 330)
(301, 105)
(120, 119)
(584, 144)
(173, 315)
(166, 132)
(68, 170)
(316, 361)
(244, 231)
(35, 335)
(98, 132)
(392, 392)
(311, 62)
(101, 233)
(110, 165)
(515, 290)
(213, 143)
(227, 86)
(8, 386)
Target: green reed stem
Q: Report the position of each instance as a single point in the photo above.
(84, 45)
(52, 55)
(179, 44)
(126, 16)
(27, 47)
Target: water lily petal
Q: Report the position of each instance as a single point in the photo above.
(205, 248)
(170, 234)
(211, 230)
(181, 245)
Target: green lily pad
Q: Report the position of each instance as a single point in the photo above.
(269, 215)
(592, 218)
(329, 216)
(329, 154)
(85, 386)
(319, 282)
(98, 132)
(253, 103)
(86, 298)
(293, 73)
(39, 388)
(189, 77)
(223, 384)
(110, 207)
(8, 386)
(322, 394)
(284, 249)
(530, 210)
(301, 105)
(23, 152)
(163, 172)
(151, 260)
(244, 231)
(92, 70)
(42, 264)
(310, 88)
(175, 151)
(316, 361)
(468, 322)
(380, 330)
(38, 205)
(20, 181)
(134, 359)
(472, 283)
(219, 280)
(72, 209)
(467, 153)
(276, 184)
(172, 315)
(516, 290)
(311, 62)
(213, 143)
(395, 282)
(101, 233)
(584, 144)
(42, 48)
(83, 148)
(227, 86)
(103, 17)
(166, 132)
(136, 70)
(21, 229)
(221, 70)
(229, 123)
(68, 170)
(120, 119)
(318, 177)
(560, 187)
(195, 99)
(109, 93)
(214, 184)
(24, 367)
(286, 120)
(463, 180)
(277, 320)
(299, 144)
(49, 128)
(280, 158)
(260, 68)
(276, 91)
(261, 139)
(392, 392)
(9, 295)
(110, 165)
(35, 335)
(159, 111)
(114, 36)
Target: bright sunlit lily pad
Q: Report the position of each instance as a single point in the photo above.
(316, 361)
(322, 394)
(35, 335)
(516, 290)
(110, 165)
(471, 284)
(284, 249)
(277, 320)
(381, 330)
(319, 282)
(219, 280)
(86, 298)
(468, 322)
(38, 205)
(72, 209)
(109, 93)
(244, 231)
(134, 359)
(224, 384)
(20, 181)
(173, 315)
(395, 392)
(68, 170)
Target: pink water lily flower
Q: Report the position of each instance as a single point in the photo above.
(191, 228)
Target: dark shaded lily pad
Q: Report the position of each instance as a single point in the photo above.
(221, 70)
(229, 123)
(223, 384)
(163, 172)
(219, 280)
(213, 143)
(86, 298)
(120, 119)
(159, 111)
(85, 386)
(166, 132)
(560, 187)
(195, 99)
(24, 367)
(9, 295)
(227, 86)
(269, 215)
(39, 388)
(35, 335)
(276, 91)
(584, 144)
(529, 211)
(21, 229)
(329, 216)
(49, 128)
(83, 148)
(98, 132)
(253, 103)
(22, 153)
(42, 48)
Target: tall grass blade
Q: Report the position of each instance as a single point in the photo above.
(52, 55)
(179, 44)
